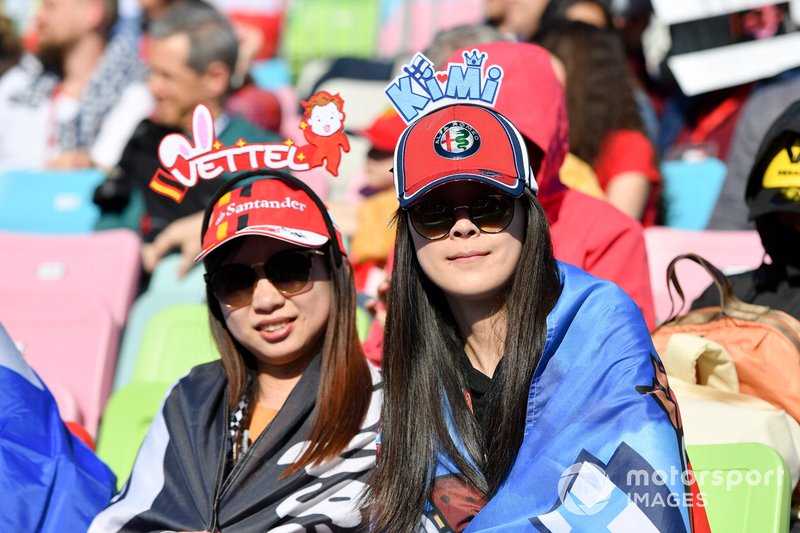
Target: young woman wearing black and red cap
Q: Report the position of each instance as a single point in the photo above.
(280, 434)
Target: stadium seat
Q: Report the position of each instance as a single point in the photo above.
(363, 323)
(271, 74)
(165, 280)
(176, 339)
(316, 29)
(143, 309)
(690, 192)
(730, 251)
(745, 487)
(71, 343)
(127, 418)
(52, 202)
(104, 265)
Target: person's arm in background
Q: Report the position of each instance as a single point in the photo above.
(627, 172)
(628, 192)
(183, 234)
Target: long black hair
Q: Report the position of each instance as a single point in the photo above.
(422, 391)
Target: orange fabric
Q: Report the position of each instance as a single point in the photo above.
(765, 359)
(262, 416)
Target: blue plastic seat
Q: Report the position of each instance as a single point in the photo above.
(690, 193)
(55, 202)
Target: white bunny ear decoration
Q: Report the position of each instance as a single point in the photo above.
(177, 145)
(202, 129)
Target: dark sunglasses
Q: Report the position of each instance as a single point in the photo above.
(433, 219)
(288, 271)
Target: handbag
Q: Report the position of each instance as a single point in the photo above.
(704, 380)
(763, 343)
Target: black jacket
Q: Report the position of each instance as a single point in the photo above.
(179, 481)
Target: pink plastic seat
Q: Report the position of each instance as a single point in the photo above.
(71, 343)
(104, 265)
(731, 251)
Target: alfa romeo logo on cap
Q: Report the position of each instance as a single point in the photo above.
(457, 140)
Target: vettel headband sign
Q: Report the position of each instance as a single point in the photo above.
(184, 162)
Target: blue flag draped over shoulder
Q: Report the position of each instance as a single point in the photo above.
(603, 447)
(49, 480)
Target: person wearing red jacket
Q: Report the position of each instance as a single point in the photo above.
(586, 232)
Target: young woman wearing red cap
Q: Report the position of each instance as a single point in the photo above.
(280, 434)
(519, 391)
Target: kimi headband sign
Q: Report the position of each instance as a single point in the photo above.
(422, 89)
(186, 161)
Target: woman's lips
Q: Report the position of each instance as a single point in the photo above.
(467, 257)
(275, 330)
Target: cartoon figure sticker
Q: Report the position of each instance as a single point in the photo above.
(186, 161)
(322, 129)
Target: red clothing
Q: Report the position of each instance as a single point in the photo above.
(630, 151)
(586, 232)
(600, 239)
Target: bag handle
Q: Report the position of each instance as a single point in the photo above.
(730, 304)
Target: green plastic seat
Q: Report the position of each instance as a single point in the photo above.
(127, 418)
(745, 487)
(176, 339)
(317, 29)
(363, 323)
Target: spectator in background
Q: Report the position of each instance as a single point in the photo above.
(78, 102)
(373, 239)
(586, 232)
(606, 128)
(193, 55)
(593, 12)
(522, 18)
(246, 100)
(772, 196)
(758, 113)
(10, 45)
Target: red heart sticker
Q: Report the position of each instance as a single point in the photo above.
(441, 76)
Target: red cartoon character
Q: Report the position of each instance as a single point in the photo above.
(323, 129)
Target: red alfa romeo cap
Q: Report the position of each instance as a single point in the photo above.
(271, 208)
(461, 142)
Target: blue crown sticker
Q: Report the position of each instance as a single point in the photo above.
(421, 88)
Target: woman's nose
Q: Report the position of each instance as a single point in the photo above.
(266, 297)
(464, 226)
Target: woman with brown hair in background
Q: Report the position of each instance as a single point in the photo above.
(606, 127)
